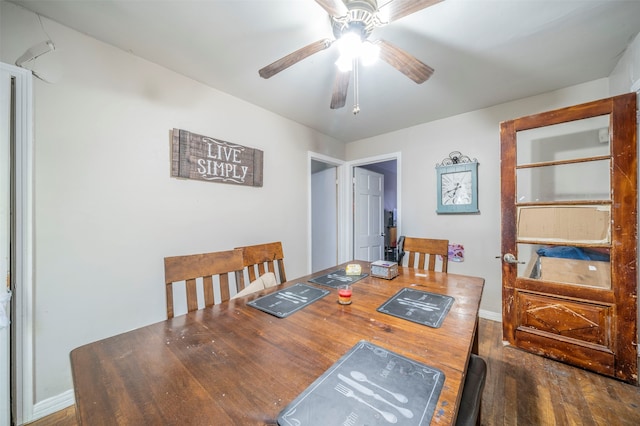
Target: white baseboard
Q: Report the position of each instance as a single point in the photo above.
(52, 405)
(493, 316)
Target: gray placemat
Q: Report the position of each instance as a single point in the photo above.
(418, 306)
(336, 278)
(283, 303)
(369, 385)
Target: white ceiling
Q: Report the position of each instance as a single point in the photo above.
(484, 52)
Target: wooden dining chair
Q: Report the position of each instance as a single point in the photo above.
(206, 266)
(469, 413)
(262, 258)
(423, 249)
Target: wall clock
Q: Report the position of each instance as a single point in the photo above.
(457, 184)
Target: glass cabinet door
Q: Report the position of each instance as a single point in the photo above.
(569, 196)
(563, 197)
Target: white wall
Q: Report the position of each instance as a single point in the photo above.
(476, 134)
(324, 219)
(106, 209)
(626, 75)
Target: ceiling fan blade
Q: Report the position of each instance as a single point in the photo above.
(397, 9)
(333, 7)
(293, 58)
(340, 87)
(404, 62)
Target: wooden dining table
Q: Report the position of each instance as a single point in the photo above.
(233, 364)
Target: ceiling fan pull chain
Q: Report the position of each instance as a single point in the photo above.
(356, 107)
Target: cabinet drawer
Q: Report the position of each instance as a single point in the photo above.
(582, 321)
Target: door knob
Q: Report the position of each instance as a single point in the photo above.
(509, 258)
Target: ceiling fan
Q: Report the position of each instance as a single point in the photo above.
(360, 18)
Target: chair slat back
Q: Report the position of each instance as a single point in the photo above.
(262, 258)
(207, 265)
(423, 249)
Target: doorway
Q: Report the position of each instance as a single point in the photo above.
(389, 167)
(324, 207)
(16, 371)
(7, 124)
(324, 215)
(368, 216)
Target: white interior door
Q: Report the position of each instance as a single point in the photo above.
(368, 215)
(324, 219)
(5, 305)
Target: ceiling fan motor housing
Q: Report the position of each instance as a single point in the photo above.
(361, 19)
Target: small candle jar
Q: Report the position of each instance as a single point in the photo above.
(344, 294)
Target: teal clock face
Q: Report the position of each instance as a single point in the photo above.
(456, 188)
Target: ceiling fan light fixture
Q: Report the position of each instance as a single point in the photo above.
(369, 53)
(350, 44)
(352, 22)
(344, 63)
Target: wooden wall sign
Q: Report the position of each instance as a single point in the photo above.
(203, 158)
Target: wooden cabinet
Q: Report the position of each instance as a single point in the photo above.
(569, 235)
(392, 236)
(391, 242)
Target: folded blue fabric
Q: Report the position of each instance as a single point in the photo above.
(564, 252)
(569, 252)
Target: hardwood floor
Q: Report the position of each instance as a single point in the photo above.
(66, 417)
(524, 389)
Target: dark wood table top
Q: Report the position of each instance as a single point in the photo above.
(234, 364)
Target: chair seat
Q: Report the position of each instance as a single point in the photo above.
(469, 412)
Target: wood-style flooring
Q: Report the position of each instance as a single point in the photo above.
(524, 389)
(527, 389)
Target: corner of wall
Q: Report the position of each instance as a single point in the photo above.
(625, 77)
(493, 316)
(53, 404)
